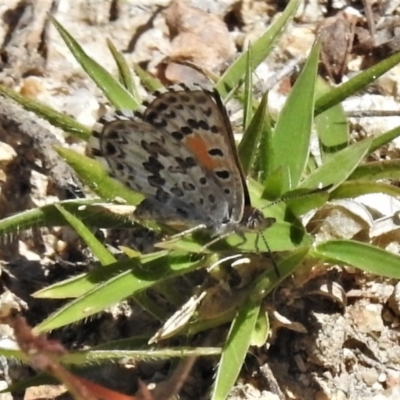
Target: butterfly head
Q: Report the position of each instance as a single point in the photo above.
(253, 219)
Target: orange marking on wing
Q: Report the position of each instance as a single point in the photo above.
(197, 146)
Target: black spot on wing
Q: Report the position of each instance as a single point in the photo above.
(216, 152)
(214, 129)
(200, 98)
(114, 133)
(223, 174)
(154, 148)
(183, 213)
(110, 149)
(177, 135)
(153, 165)
(190, 162)
(119, 166)
(203, 125)
(161, 106)
(193, 123)
(162, 196)
(156, 181)
(177, 191)
(188, 186)
(208, 111)
(171, 99)
(162, 123)
(186, 130)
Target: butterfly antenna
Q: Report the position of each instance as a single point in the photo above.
(281, 200)
(274, 264)
(293, 196)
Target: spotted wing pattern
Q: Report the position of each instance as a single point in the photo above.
(197, 118)
(149, 159)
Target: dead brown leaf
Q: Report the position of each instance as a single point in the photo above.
(337, 35)
(197, 37)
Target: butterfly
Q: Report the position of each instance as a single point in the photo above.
(178, 150)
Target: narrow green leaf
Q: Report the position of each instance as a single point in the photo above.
(78, 285)
(119, 350)
(385, 169)
(235, 349)
(117, 288)
(265, 149)
(385, 138)
(56, 118)
(124, 72)
(114, 92)
(247, 148)
(352, 189)
(248, 92)
(303, 203)
(358, 82)
(148, 81)
(260, 49)
(48, 215)
(331, 125)
(274, 182)
(104, 256)
(330, 174)
(85, 357)
(364, 256)
(292, 133)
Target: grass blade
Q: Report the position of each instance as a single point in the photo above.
(132, 281)
(352, 189)
(148, 81)
(248, 92)
(114, 92)
(355, 84)
(247, 148)
(104, 256)
(260, 50)
(56, 118)
(125, 74)
(329, 173)
(294, 126)
(331, 125)
(360, 255)
(235, 348)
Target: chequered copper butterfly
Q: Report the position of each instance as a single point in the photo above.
(179, 151)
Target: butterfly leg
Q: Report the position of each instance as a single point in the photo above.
(243, 237)
(187, 232)
(215, 240)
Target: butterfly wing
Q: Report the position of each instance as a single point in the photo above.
(149, 160)
(198, 119)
